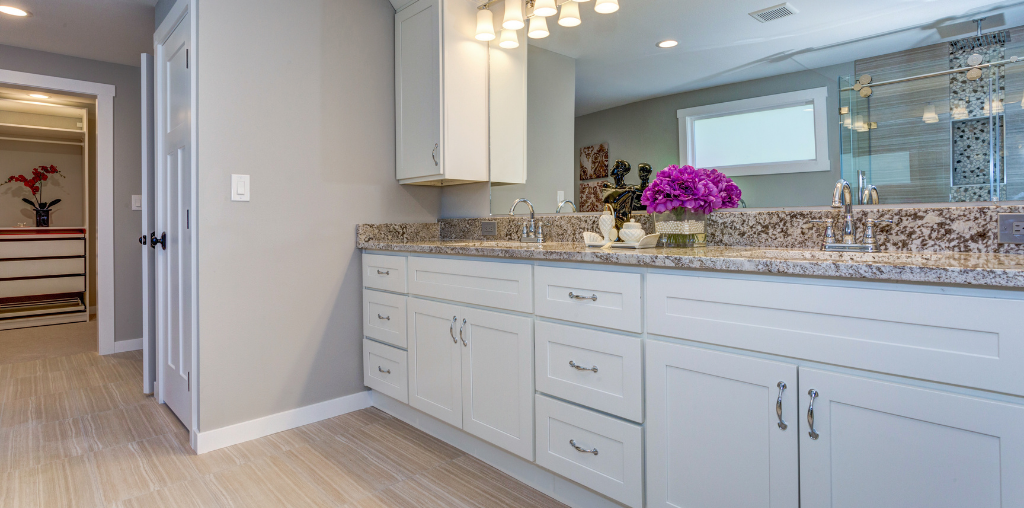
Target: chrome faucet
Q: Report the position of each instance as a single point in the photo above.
(563, 203)
(869, 195)
(843, 197)
(533, 230)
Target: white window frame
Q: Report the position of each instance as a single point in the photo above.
(816, 96)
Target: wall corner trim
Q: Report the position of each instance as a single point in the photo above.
(122, 346)
(254, 429)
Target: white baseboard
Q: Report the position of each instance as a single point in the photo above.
(280, 422)
(127, 345)
(557, 487)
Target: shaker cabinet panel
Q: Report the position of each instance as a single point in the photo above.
(384, 317)
(435, 360)
(721, 429)
(384, 370)
(418, 90)
(600, 298)
(384, 272)
(879, 444)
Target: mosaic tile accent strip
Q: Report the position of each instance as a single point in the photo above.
(971, 151)
(968, 96)
(974, 193)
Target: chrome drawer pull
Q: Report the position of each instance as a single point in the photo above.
(384, 273)
(577, 367)
(572, 442)
(461, 328)
(778, 406)
(385, 318)
(810, 413)
(451, 329)
(383, 371)
(581, 297)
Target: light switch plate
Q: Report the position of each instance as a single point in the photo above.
(136, 202)
(489, 228)
(1011, 228)
(240, 188)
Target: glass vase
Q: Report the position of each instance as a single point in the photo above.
(43, 218)
(681, 228)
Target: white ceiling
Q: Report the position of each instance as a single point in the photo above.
(617, 61)
(106, 30)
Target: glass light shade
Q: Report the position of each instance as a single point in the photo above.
(606, 6)
(13, 11)
(509, 40)
(570, 15)
(538, 28)
(930, 116)
(545, 8)
(581, 1)
(484, 25)
(513, 15)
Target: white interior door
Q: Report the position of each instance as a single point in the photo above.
(713, 430)
(435, 362)
(173, 191)
(886, 445)
(148, 295)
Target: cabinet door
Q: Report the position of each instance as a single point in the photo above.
(885, 445)
(418, 89)
(713, 432)
(497, 379)
(435, 360)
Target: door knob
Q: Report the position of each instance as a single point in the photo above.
(142, 240)
(153, 240)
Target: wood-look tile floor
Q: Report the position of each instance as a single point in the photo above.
(76, 431)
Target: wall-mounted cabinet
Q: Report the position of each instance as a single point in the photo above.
(441, 109)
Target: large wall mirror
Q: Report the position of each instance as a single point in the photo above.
(922, 100)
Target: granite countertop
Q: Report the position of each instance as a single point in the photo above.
(999, 270)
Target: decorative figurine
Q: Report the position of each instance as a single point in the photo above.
(645, 171)
(620, 196)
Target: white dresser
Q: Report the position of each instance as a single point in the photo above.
(43, 277)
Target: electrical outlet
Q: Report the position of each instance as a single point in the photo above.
(1011, 228)
(489, 228)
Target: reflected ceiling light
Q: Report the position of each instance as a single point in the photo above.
(513, 16)
(509, 40)
(667, 44)
(484, 25)
(545, 8)
(570, 15)
(38, 96)
(606, 6)
(930, 116)
(538, 28)
(13, 11)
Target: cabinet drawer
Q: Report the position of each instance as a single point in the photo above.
(10, 249)
(609, 299)
(488, 283)
(384, 317)
(41, 267)
(31, 287)
(384, 272)
(616, 470)
(385, 369)
(566, 357)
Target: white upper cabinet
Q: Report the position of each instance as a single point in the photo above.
(440, 94)
(885, 445)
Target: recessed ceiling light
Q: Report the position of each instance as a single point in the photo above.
(38, 96)
(13, 11)
(668, 44)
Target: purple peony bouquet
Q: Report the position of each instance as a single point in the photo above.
(703, 190)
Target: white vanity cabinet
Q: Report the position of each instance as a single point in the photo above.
(441, 110)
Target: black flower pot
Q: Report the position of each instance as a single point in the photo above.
(43, 218)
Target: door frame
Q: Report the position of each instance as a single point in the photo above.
(104, 94)
(177, 13)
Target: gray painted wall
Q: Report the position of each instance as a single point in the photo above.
(648, 131)
(302, 99)
(550, 105)
(127, 175)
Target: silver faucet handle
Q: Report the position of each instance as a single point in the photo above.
(830, 236)
(869, 231)
(876, 221)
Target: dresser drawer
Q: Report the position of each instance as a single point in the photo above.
(608, 299)
(11, 249)
(616, 470)
(384, 272)
(32, 287)
(41, 267)
(384, 317)
(566, 359)
(385, 369)
(489, 283)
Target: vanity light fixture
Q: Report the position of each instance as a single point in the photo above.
(606, 6)
(38, 96)
(13, 11)
(513, 16)
(668, 44)
(570, 15)
(930, 116)
(538, 28)
(484, 25)
(545, 8)
(509, 40)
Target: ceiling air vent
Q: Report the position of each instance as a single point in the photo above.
(774, 13)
